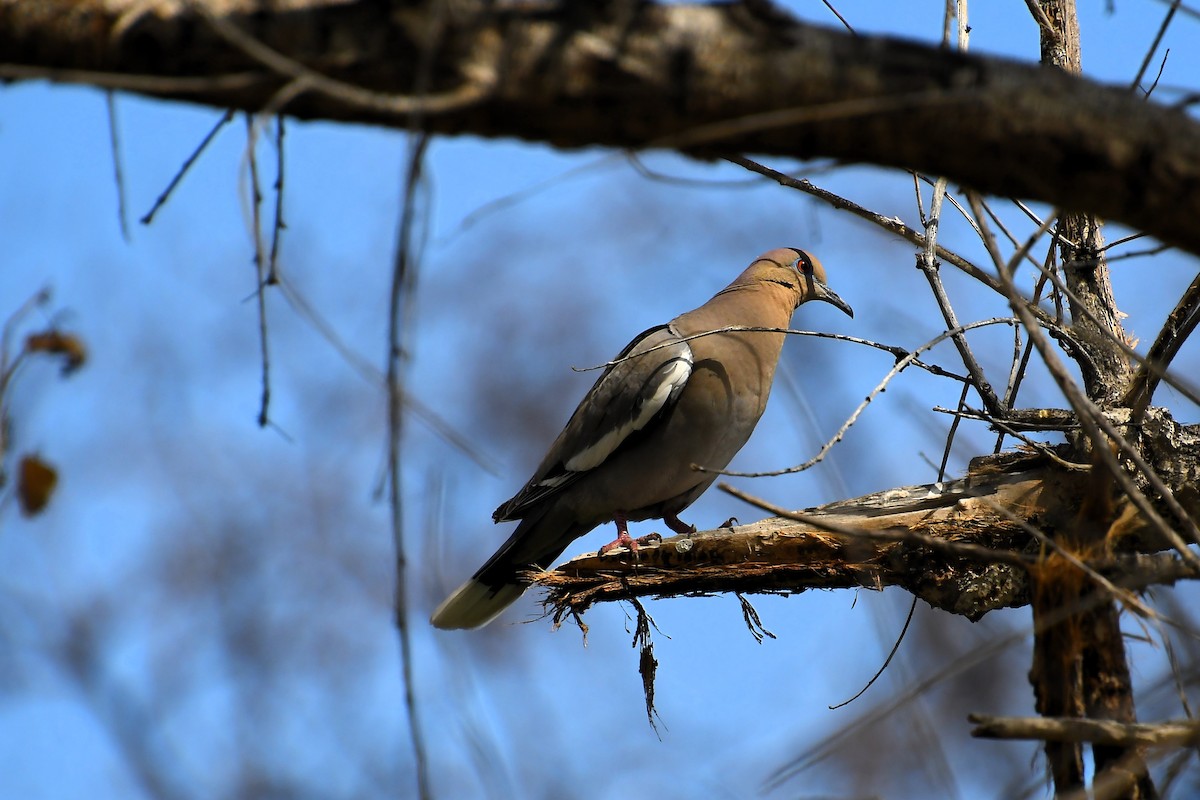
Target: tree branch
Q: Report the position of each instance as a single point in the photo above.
(1070, 729)
(949, 544)
(711, 79)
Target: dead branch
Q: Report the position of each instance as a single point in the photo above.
(1069, 729)
(962, 546)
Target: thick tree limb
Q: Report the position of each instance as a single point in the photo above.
(710, 79)
(949, 544)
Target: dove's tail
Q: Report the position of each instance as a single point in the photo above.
(535, 543)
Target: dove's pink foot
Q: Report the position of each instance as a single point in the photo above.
(625, 540)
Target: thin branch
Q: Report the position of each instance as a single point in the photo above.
(893, 225)
(837, 14)
(965, 412)
(896, 351)
(1123, 240)
(278, 226)
(968, 660)
(1180, 324)
(1016, 373)
(1095, 731)
(929, 267)
(259, 274)
(900, 365)
(966, 215)
(1158, 37)
(403, 280)
(1189, 304)
(401, 307)
(1095, 424)
(1149, 251)
(1158, 75)
(962, 400)
(114, 140)
(891, 654)
(1034, 218)
(966, 550)
(148, 217)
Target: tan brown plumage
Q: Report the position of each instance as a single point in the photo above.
(627, 451)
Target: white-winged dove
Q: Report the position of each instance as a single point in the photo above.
(627, 452)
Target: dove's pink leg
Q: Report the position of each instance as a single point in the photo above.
(625, 540)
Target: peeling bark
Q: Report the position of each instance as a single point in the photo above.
(952, 545)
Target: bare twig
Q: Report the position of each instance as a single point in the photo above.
(900, 365)
(966, 215)
(148, 217)
(1123, 240)
(929, 268)
(1180, 324)
(1178, 327)
(1096, 731)
(891, 654)
(837, 14)
(401, 299)
(892, 225)
(967, 550)
(1016, 373)
(1095, 424)
(278, 226)
(1162, 65)
(968, 660)
(1158, 37)
(965, 412)
(114, 141)
(1149, 251)
(897, 352)
(962, 400)
(259, 274)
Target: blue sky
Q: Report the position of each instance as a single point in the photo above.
(208, 596)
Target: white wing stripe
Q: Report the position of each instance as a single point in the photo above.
(671, 377)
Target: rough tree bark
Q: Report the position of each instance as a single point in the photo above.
(965, 546)
(1079, 661)
(710, 79)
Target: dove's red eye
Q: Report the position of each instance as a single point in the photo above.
(803, 265)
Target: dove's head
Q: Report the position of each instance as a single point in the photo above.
(798, 270)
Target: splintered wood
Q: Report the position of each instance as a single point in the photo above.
(947, 543)
(964, 546)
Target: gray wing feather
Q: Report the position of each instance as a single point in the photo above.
(631, 396)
